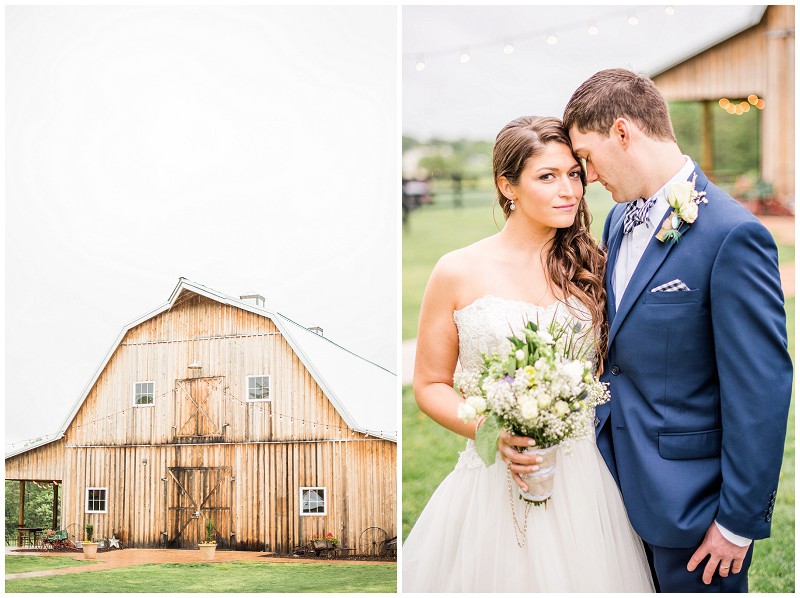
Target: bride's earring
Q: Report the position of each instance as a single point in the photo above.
(511, 205)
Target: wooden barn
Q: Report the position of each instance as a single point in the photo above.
(757, 63)
(215, 407)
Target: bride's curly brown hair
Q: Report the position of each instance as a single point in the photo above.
(575, 262)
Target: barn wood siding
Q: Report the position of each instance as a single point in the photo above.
(761, 61)
(359, 475)
(232, 344)
(43, 464)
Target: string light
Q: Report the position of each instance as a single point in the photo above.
(743, 106)
(550, 37)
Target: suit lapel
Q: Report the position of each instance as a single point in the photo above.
(614, 242)
(654, 255)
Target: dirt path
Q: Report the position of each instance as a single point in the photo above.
(140, 556)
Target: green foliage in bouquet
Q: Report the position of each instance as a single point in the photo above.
(541, 389)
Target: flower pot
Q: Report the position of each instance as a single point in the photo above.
(540, 482)
(207, 550)
(322, 544)
(89, 550)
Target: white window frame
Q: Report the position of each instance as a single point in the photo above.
(135, 404)
(324, 501)
(86, 501)
(269, 388)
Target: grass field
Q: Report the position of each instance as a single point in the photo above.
(434, 230)
(220, 577)
(430, 452)
(25, 564)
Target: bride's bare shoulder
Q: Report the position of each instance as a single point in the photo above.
(463, 262)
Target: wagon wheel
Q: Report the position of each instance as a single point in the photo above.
(372, 541)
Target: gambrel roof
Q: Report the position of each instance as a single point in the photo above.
(363, 393)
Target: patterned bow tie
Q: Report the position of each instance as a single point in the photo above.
(636, 215)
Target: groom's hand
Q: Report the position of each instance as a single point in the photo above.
(722, 553)
(517, 462)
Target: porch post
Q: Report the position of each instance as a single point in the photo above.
(55, 527)
(21, 511)
(707, 139)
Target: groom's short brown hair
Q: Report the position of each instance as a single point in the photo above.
(613, 93)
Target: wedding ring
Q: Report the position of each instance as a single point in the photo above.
(724, 568)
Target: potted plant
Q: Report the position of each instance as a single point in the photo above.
(89, 546)
(208, 547)
(326, 542)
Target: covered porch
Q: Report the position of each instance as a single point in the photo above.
(44, 512)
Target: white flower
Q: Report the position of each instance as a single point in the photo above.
(544, 400)
(680, 194)
(573, 370)
(562, 408)
(545, 336)
(466, 412)
(688, 213)
(528, 408)
(477, 403)
(520, 354)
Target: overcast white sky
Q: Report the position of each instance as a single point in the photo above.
(250, 149)
(451, 99)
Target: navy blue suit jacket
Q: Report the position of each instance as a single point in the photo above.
(700, 379)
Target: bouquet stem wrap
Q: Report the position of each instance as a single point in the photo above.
(540, 482)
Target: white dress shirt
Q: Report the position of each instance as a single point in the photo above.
(630, 254)
(635, 242)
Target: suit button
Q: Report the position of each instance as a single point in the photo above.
(615, 370)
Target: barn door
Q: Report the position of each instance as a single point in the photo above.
(196, 494)
(199, 409)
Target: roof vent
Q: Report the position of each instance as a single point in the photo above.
(316, 330)
(255, 299)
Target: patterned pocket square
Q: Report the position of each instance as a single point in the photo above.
(672, 285)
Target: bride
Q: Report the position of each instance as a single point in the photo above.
(476, 534)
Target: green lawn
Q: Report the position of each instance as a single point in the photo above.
(434, 230)
(430, 452)
(24, 564)
(221, 577)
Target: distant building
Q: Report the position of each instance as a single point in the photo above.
(758, 61)
(213, 407)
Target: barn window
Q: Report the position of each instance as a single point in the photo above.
(144, 393)
(96, 500)
(312, 501)
(258, 388)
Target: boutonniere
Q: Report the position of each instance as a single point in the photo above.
(684, 201)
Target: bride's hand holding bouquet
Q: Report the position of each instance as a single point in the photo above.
(543, 389)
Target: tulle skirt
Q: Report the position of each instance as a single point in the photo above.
(464, 540)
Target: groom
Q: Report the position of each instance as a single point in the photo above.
(697, 360)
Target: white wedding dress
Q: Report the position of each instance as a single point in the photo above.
(464, 540)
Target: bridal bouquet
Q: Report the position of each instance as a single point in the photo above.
(544, 389)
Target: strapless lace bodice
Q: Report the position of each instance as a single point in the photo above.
(485, 325)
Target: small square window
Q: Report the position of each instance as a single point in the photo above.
(258, 388)
(144, 393)
(96, 500)
(312, 501)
